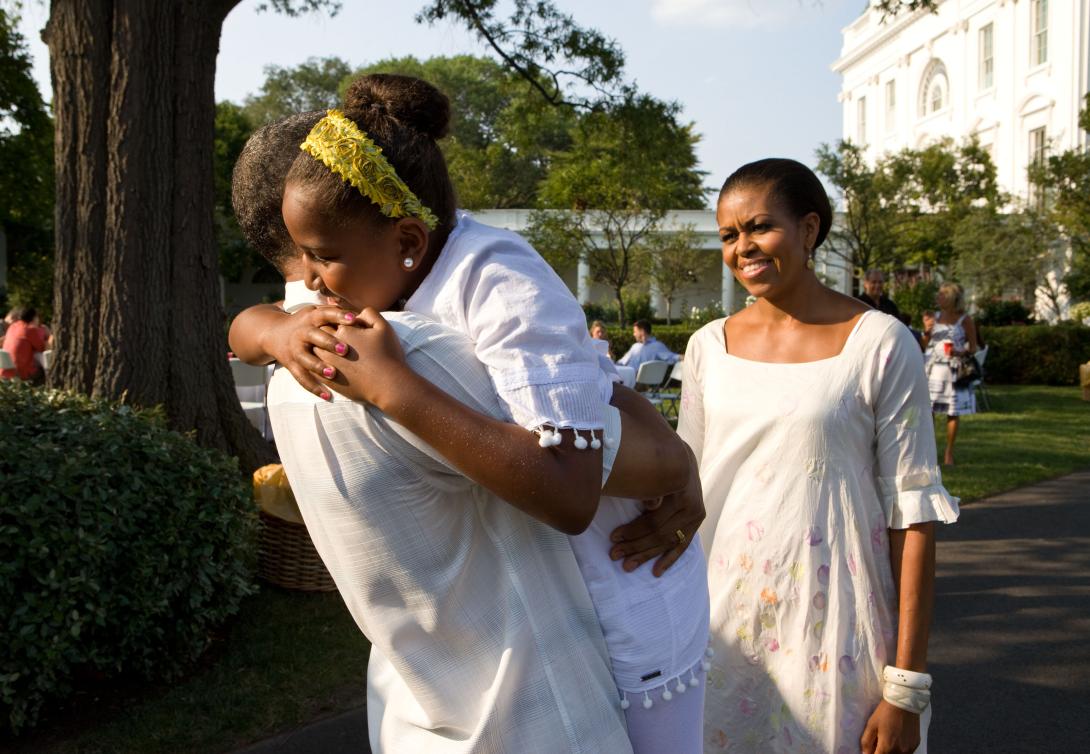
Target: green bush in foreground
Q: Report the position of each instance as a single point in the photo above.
(122, 544)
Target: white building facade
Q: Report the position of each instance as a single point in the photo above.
(1011, 72)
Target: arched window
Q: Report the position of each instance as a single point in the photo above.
(934, 88)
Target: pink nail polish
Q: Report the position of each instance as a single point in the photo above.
(341, 348)
(324, 396)
(328, 372)
(349, 317)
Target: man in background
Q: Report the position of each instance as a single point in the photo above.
(874, 285)
(646, 347)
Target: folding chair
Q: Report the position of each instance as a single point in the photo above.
(649, 378)
(6, 362)
(977, 385)
(668, 401)
(250, 388)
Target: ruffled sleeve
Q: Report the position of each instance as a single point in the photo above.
(909, 480)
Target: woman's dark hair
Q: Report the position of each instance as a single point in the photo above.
(257, 184)
(405, 116)
(28, 314)
(793, 185)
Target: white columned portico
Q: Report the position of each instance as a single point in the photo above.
(727, 299)
(582, 273)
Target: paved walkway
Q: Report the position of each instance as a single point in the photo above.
(1010, 649)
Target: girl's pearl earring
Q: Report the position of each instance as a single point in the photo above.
(408, 262)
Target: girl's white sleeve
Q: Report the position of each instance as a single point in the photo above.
(690, 423)
(909, 480)
(531, 335)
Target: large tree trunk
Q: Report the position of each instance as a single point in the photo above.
(136, 294)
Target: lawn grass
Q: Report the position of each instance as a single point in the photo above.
(291, 658)
(1032, 433)
(288, 659)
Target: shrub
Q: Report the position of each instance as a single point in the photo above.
(700, 316)
(915, 298)
(1080, 312)
(997, 312)
(1036, 354)
(122, 544)
(638, 306)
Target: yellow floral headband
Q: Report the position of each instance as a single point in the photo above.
(345, 149)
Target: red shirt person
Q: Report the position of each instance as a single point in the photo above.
(23, 339)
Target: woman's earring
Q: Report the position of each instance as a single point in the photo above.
(408, 262)
(809, 263)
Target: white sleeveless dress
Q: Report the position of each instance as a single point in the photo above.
(947, 398)
(805, 467)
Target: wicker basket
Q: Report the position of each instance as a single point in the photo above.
(287, 558)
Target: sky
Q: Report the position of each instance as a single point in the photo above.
(752, 75)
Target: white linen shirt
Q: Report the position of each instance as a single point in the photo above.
(526, 326)
(484, 638)
(652, 350)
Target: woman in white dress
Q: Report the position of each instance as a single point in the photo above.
(808, 413)
(947, 333)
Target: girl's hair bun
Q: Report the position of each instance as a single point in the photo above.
(410, 101)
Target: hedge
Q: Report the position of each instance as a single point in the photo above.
(122, 545)
(1017, 354)
(1035, 354)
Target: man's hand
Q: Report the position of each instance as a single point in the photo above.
(655, 532)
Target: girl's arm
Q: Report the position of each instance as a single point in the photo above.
(912, 557)
(265, 333)
(652, 461)
(559, 485)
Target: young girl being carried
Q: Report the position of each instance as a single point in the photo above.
(370, 204)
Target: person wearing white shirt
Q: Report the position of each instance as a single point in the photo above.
(483, 635)
(646, 348)
(530, 335)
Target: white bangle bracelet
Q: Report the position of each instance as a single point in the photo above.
(906, 698)
(907, 678)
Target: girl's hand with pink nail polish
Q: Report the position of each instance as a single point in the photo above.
(297, 340)
(374, 368)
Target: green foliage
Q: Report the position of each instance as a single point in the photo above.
(891, 8)
(312, 85)
(1080, 312)
(563, 62)
(1066, 180)
(612, 204)
(122, 545)
(999, 311)
(1036, 354)
(233, 128)
(26, 175)
(699, 316)
(675, 262)
(638, 306)
(905, 208)
(999, 254)
(503, 135)
(915, 298)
